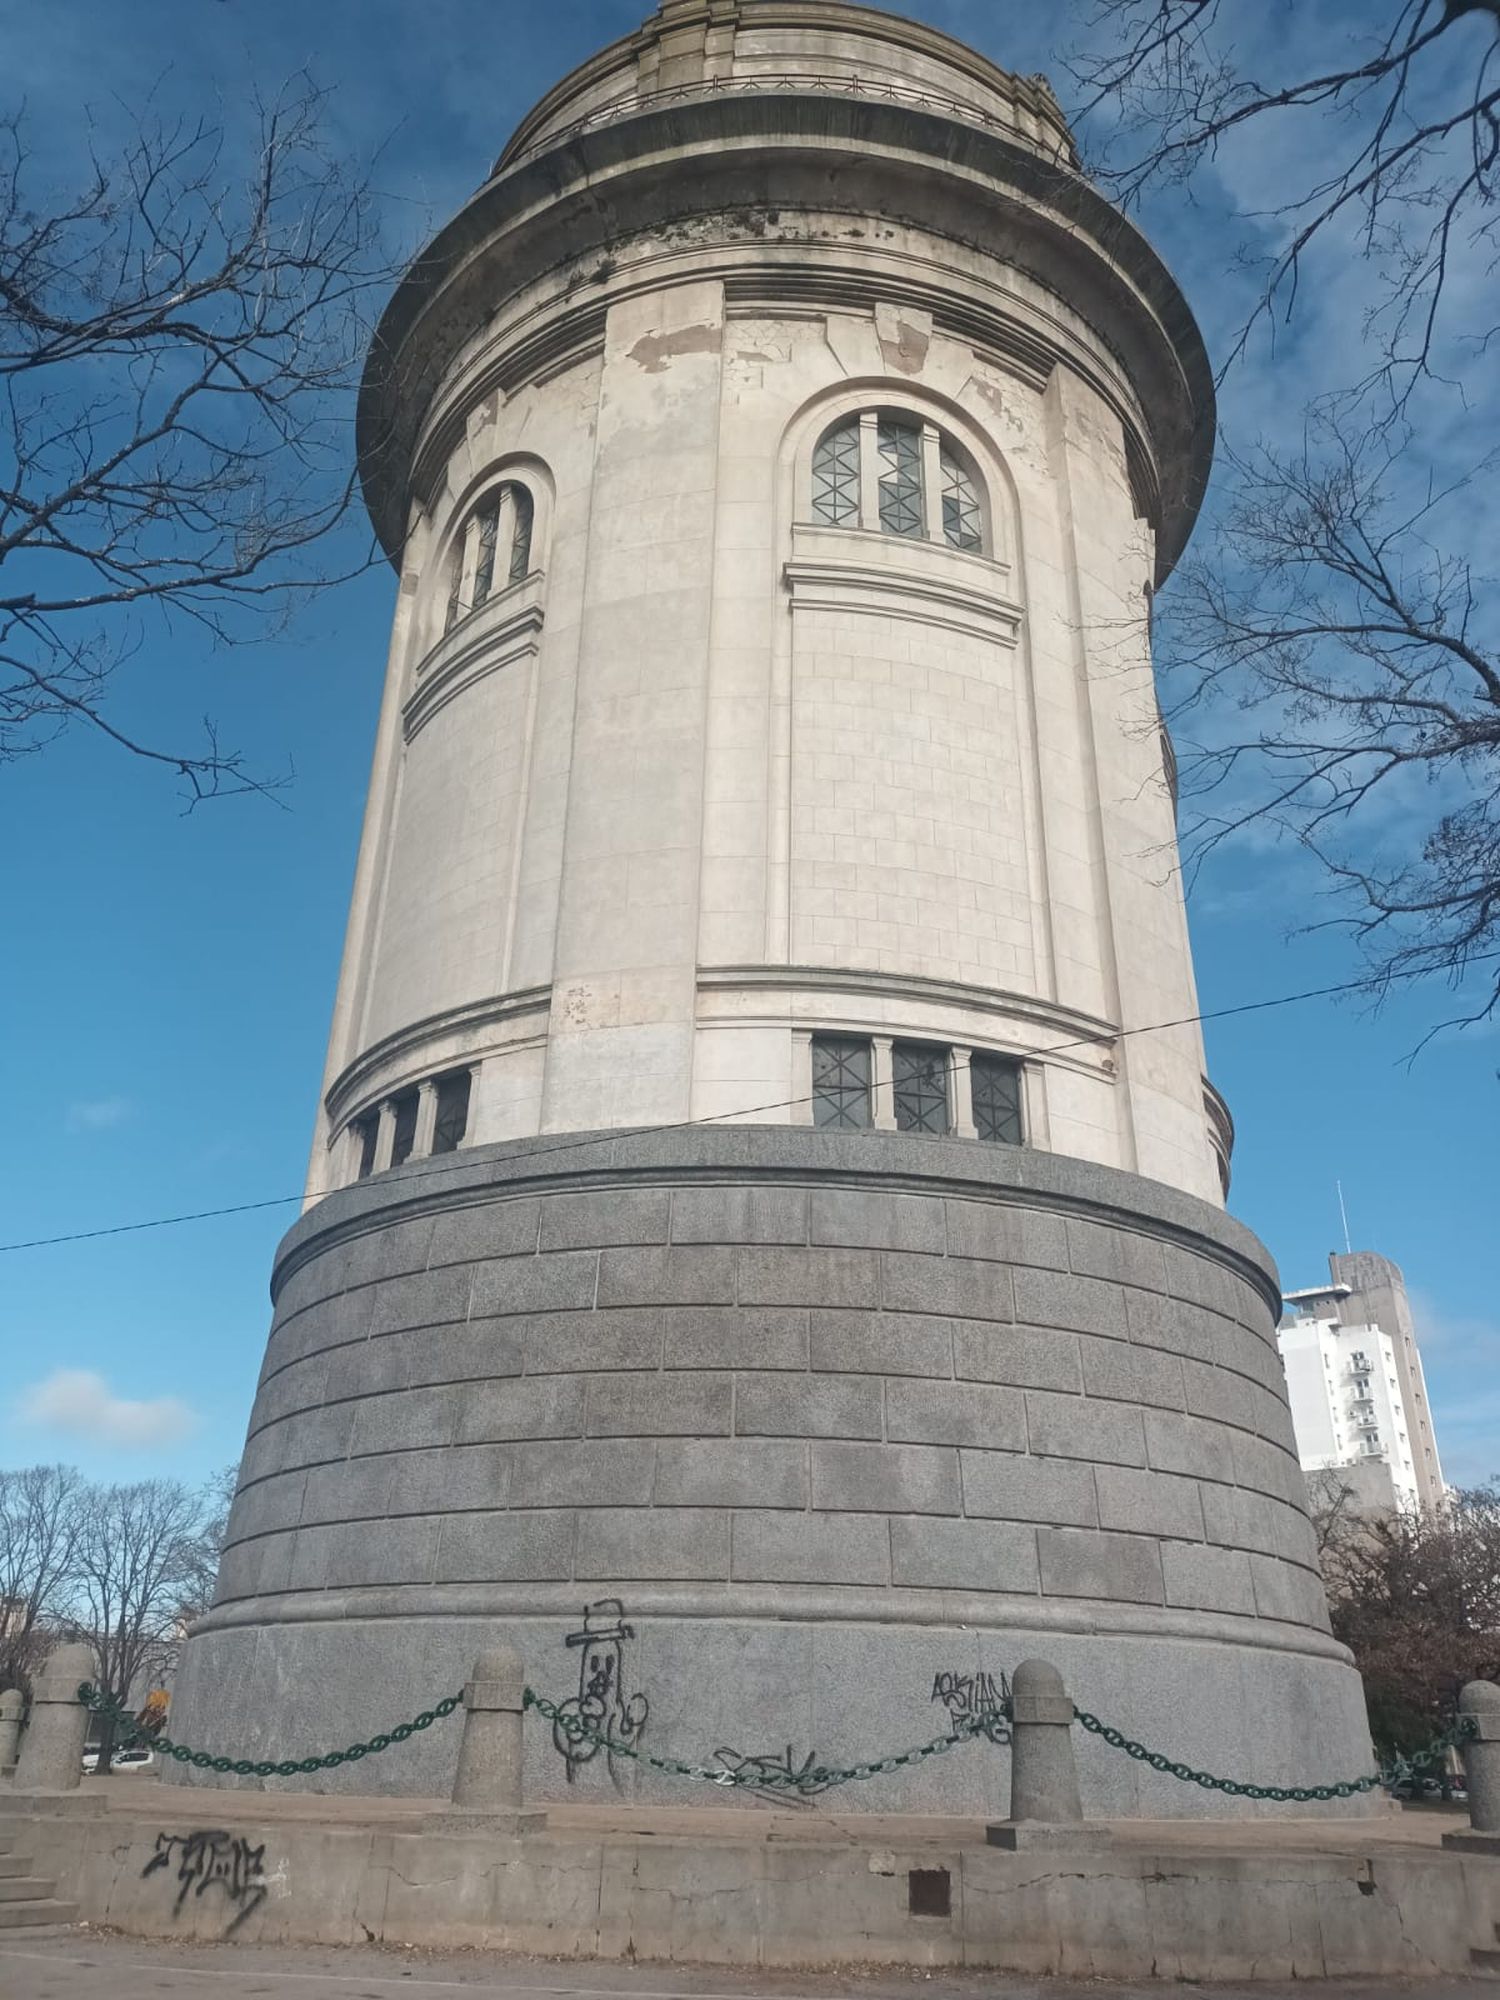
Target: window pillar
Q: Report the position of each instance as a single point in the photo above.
(385, 1140)
(505, 539)
(421, 1145)
(961, 1095)
(932, 484)
(802, 1077)
(882, 1085)
(869, 474)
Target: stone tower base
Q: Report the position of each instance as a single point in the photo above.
(775, 1442)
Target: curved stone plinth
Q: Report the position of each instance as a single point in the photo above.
(823, 1427)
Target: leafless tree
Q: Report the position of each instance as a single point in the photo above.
(176, 343)
(1339, 658)
(40, 1512)
(139, 1561)
(204, 1552)
(1405, 114)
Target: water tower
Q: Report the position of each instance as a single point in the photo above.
(764, 1255)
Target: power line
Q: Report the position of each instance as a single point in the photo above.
(686, 1124)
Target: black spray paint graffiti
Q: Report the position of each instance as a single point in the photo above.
(213, 1858)
(976, 1698)
(601, 1700)
(779, 1778)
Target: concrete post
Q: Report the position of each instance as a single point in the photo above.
(11, 1705)
(52, 1748)
(487, 1787)
(489, 1758)
(1481, 1754)
(1045, 1807)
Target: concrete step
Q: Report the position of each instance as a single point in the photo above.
(42, 1910)
(24, 1888)
(1486, 1958)
(14, 1864)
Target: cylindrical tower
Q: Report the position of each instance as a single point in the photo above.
(764, 1256)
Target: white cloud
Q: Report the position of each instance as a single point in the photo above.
(97, 1114)
(82, 1404)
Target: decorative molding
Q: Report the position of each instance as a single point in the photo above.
(825, 584)
(343, 1094)
(792, 979)
(506, 629)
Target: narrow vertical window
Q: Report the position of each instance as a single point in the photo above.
(366, 1132)
(520, 547)
(835, 473)
(841, 1083)
(963, 520)
(900, 448)
(996, 1086)
(404, 1111)
(452, 1112)
(484, 566)
(919, 1081)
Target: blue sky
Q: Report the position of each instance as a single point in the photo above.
(169, 978)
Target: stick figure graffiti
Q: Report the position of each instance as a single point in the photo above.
(601, 1700)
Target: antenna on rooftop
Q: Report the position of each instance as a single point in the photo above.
(1344, 1218)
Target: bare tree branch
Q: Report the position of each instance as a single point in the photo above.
(177, 347)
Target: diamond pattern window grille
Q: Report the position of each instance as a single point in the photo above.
(455, 583)
(484, 566)
(835, 474)
(404, 1136)
(919, 1075)
(996, 1086)
(452, 1112)
(841, 1083)
(520, 548)
(963, 520)
(900, 447)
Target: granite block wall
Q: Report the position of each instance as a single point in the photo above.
(840, 1381)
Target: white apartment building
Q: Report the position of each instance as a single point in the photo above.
(1356, 1386)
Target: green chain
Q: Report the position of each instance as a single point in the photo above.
(251, 1767)
(1393, 1773)
(819, 1777)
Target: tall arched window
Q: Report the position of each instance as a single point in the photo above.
(498, 530)
(887, 470)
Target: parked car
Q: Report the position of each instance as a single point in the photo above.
(137, 1758)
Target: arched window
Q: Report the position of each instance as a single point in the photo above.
(501, 522)
(887, 470)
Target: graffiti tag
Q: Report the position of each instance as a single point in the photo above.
(209, 1859)
(601, 1700)
(975, 1698)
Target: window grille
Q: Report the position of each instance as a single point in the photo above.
(995, 1085)
(919, 1078)
(963, 520)
(484, 566)
(841, 1083)
(900, 449)
(520, 547)
(835, 472)
(404, 1111)
(452, 1112)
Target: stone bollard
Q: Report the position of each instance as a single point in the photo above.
(1481, 1754)
(11, 1705)
(487, 1793)
(52, 1748)
(1045, 1807)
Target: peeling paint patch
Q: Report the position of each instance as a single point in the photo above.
(654, 350)
(905, 336)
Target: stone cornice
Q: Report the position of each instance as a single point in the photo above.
(349, 1086)
(569, 208)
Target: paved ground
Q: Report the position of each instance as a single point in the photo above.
(84, 1966)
